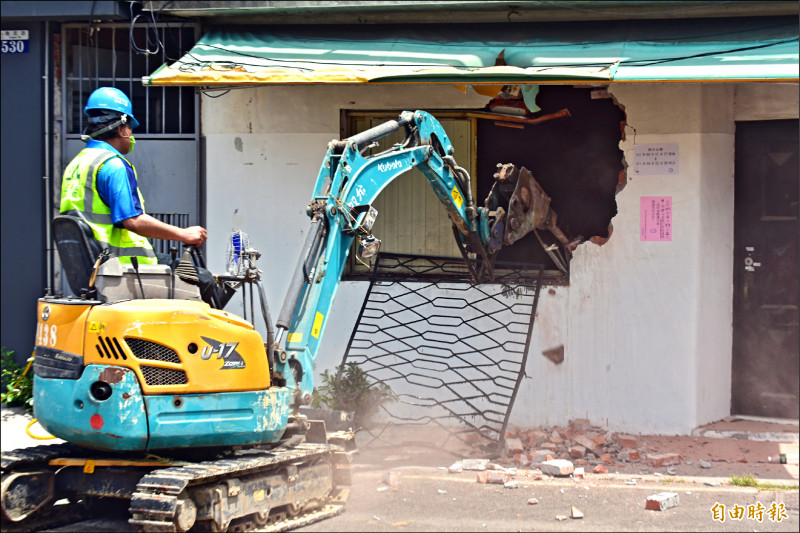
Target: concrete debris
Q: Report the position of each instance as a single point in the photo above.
(662, 501)
(579, 472)
(713, 483)
(576, 513)
(631, 482)
(561, 517)
(493, 476)
(456, 468)
(475, 464)
(514, 446)
(705, 464)
(511, 484)
(391, 478)
(557, 467)
(440, 491)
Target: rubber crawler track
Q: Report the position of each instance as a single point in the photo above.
(38, 457)
(154, 503)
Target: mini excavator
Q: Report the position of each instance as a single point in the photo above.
(180, 411)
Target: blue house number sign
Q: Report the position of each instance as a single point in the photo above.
(14, 42)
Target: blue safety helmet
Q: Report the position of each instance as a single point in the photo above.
(107, 102)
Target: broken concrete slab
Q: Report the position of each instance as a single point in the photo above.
(662, 501)
(475, 464)
(557, 467)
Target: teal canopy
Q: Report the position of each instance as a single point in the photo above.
(681, 50)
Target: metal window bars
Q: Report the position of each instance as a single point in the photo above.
(452, 352)
(101, 54)
(162, 246)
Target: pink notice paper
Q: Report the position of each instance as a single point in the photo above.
(655, 220)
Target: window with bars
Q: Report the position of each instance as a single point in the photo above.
(116, 55)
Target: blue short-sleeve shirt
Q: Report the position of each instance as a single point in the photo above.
(116, 185)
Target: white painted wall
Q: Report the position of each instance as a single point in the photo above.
(646, 325)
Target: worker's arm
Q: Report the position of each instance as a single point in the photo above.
(153, 228)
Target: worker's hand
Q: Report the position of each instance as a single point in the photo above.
(194, 235)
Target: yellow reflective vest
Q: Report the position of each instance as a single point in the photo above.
(79, 198)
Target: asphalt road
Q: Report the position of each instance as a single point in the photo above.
(427, 497)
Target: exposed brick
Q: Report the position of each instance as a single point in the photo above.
(522, 460)
(536, 437)
(550, 446)
(555, 437)
(580, 424)
(599, 440)
(600, 469)
(664, 459)
(514, 446)
(606, 457)
(576, 452)
(493, 476)
(538, 456)
(662, 501)
(557, 467)
(586, 443)
(628, 455)
(628, 441)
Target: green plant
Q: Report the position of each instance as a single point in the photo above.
(352, 392)
(18, 381)
(749, 480)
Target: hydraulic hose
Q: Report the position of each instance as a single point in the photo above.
(299, 279)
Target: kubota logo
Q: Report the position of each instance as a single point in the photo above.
(385, 167)
(226, 351)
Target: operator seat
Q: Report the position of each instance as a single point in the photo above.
(77, 249)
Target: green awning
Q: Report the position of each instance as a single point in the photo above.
(700, 50)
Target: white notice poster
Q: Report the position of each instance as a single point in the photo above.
(655, 159)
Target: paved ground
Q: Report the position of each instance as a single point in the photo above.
(424, 495)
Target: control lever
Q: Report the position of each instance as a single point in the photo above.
(173, 253)
(135, 263)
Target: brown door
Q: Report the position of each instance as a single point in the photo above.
(765, 327)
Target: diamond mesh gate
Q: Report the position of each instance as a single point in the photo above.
(452, 352)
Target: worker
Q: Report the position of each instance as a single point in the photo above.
(99, 185)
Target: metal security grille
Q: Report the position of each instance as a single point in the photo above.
(144, 349)
(154, 376)
(452, 352)
(118, 55)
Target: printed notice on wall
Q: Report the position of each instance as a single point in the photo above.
(655, 159)
(655, 222)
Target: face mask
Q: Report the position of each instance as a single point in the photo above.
(133, 142)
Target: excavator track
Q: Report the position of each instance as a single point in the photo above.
(250, 490)
(31, 459)
(235, 494)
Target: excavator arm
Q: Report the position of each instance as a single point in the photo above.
(341, 211)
